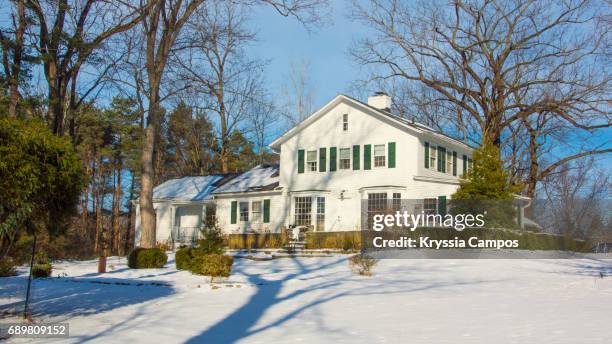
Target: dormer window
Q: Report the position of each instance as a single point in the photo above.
(345, 122)
(311, 161)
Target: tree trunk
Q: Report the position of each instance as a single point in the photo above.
(117, 208)
(15, 68)
(128, 232)
(147, 213)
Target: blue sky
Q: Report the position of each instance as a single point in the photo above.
(283, 40)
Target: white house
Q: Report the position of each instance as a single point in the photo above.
(346, 154)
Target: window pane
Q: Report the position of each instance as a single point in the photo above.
(345, 153)
(244, 211)
(320, 213)
(256, 211)
(303, 209)
(312, 155)
(377, 204)
(379, 150)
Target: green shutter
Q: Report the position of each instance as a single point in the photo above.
(266, 211)
(454, 163)
(322, 159)
(464, 165)
(391, 148)
(234, 212)
(426, 154)
(442, 205)
(367, 157)
(332, 159)
(300, 161)
(355, 157)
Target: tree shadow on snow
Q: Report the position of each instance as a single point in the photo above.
(241, 323)
(68, 297)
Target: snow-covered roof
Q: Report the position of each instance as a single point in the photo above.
(259, 178)
(187, 188)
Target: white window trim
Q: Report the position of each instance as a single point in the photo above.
(253, 212)
(316, 161)
(350, 159)
(240, 203)
(383, 155)
(345, 120)
(433, 157)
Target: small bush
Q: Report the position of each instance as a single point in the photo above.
(184, 258)
(213, 265)
(147, 258)
(41, 270)
(362, 264)
(212, 242)
(164, 246)
(7, 268)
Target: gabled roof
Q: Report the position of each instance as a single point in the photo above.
(259, 178)
(399, 121)
(188, 188)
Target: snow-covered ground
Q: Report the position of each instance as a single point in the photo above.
(318, 300)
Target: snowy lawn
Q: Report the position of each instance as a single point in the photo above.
(318, 300)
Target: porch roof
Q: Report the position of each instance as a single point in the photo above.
(187, 188)
(259, 178)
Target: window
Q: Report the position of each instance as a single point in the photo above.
(433, 152)
(320, 214)
(441, 159)
(449, 162)
(377, 204)
(345, 158)
(244, 211)
(303, 209)
(430, 205)
(397, 201)
(256, 211)
(345, 122)
(379, 155)
(311, 161)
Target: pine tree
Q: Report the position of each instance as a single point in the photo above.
(486, 190)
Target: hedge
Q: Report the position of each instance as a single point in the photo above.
(255, 241)
(41, 270)
(7, 267)
(147, 258)
(351, 240)
(213, 265)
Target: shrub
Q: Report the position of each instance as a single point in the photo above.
(213, 265)
(41, 270)
(7, 267)
(164, 246)
(348, 241)
(184, 258)
(147, 258)
(362, 264)
(212, 241)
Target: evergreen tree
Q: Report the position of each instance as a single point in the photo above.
(486, 190)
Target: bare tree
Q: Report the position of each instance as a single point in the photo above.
(225, 80)
(163, 23)
(577, 199)
(69, 33)
(298, 93)
(477, 55)
(12, 41)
